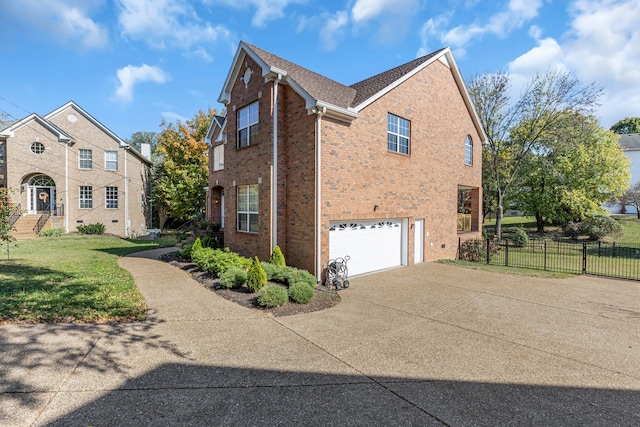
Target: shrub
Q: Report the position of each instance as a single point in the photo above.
(219, 260)
(270, 269)
(52, 232)
(96, 228)
(572, 229)
(520, 238)
(234, 277)
(300, 292)
(211, 242)
(185, 252)
(599, 226)
(277, 258)
(256, 277)
(289, 275)
(272, 296)
(473, 250)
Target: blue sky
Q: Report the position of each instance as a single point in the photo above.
(133, 63)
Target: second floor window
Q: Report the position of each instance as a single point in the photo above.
(86, 197)
(85, 159)
(468, 150)
(398, 134)
(217, 162)
(248, 208)
(248, 125)
(111, 160)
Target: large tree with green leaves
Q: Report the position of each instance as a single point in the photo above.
(628, 125)
(151, 138)
(514, 128)
(7, 208)
(576, 167)
(632, 198)
(182, 173)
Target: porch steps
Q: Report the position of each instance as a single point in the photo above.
(24, 227)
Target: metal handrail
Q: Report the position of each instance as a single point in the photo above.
(15, 214)
(41, 222)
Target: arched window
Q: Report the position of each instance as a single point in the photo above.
(37, 147)
(468, 150)
(42, 181)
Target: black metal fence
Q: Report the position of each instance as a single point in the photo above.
(596, 258)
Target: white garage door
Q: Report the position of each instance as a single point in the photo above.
(371, 244)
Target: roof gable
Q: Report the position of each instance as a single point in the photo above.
(630, 141)
(62, 136)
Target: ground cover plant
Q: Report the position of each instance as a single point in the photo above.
(71, 279)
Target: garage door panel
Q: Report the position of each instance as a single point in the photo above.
(371, 245)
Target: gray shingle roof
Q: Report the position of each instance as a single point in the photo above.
(319, 87)
(369, 87)
(630, 141)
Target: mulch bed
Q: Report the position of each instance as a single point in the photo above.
(322, 299)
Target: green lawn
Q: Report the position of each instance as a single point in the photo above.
(70, 279)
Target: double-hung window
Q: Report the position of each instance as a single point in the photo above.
(217, 162)
(248, 208)
(111, 160)
(398, 130)
(248, 125)
(85, 159)
(111, 197)
(86, 197)
(468, 150)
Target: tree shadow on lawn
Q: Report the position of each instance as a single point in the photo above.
(40, 358)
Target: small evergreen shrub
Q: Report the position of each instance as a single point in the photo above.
(520, 238)
(272, 296)
(277, 258)
(211, 242)
(270, 269)
(294, 275)
(256, 277)
(185, 252)
(234, 277)
(599, 226)
(219, 260)
(96, 228)
(52, 232)
(300, 292)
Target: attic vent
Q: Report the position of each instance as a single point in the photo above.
(247, 76)
(72, 118)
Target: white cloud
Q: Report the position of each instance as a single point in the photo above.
(172, 117)
(131, 75)
(266, 10)
(602, 46)
(168, 23)
(67, 21)
(333, 28)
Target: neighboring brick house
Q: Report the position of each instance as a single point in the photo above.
(70, 167)
(387, 171)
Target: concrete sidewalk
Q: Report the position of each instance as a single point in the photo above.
(429, 344)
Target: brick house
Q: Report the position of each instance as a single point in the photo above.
(68, 167)
(387, 170)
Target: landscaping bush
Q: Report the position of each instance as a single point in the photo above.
(473, 250)
(196, 246)
(52, 232)
(571, 229)
(270, 270)
(520, 238)
(300, 292)
(272, 296)
(211, 242)
(233, 278)
(219, 260)
(256, 277)
(277, 258)
(96, 228)
(599, 226)
(289, 275)
(185, 252)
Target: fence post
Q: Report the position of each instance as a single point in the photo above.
(584, 257)
(614, 249)
(506, 253)
(488, 250)
(544, 246)
(459, 248)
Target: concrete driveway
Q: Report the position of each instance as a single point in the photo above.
(424, 345)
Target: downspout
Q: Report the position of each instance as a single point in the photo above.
(274, 228)
(66, 187)
(126, 196)
(319, 112)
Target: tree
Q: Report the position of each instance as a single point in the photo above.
(151, 138)
(514, 129)
(576, 167)
(182, 173)
(7, 208)
(632, 198)
(628, 125)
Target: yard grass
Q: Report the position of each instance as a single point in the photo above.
(71, 279)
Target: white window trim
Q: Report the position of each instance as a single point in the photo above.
(246, 210)
(249, 123)
(397, 134)
(85, 199)
(80, 159)
(106, 161)
(468, 150)
(107, 199)
(217, 161)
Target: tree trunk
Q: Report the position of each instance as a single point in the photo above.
(539, 222)
(499, 214)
